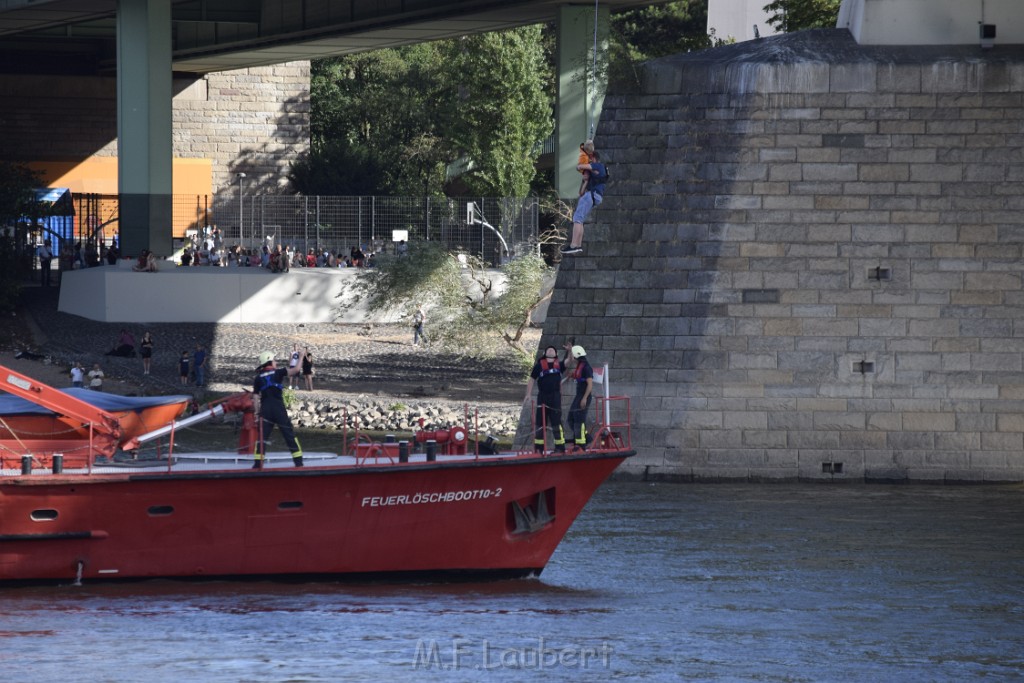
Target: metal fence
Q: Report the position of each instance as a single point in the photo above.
(488, 227)
(492, 228)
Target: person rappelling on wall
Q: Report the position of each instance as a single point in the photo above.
(268, 385)
(591, 195)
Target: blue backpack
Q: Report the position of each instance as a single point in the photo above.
(598, 177)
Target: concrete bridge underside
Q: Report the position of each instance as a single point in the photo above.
(147, 42)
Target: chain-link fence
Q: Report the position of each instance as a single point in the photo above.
(492, 228)
(488, 227)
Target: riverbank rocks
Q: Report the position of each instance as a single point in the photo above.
(386, 415)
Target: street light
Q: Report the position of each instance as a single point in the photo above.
(240, 177)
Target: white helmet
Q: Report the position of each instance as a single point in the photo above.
(266, 357)
(578, 352)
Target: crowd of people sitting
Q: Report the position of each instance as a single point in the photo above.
(77, 255)
(277, 258)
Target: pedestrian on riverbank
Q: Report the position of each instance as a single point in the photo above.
(307, 369)
(146, 351)
(77, 375)
(199, 365)
(96, 378)
(418, 318)
(45, 259)
(294, 359)
(183, 368)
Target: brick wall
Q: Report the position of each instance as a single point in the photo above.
(253, 120)
(810, 254)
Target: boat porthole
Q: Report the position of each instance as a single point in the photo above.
(43, 515)
(160, 510)
(290, 505)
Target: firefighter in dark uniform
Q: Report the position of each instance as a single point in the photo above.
(547, 373)
(583, 374)
(270, 388)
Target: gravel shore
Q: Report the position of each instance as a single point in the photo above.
(352, 362)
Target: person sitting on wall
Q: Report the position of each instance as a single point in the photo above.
(146, 263)
(125, 345)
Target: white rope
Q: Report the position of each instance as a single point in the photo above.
(593, 94)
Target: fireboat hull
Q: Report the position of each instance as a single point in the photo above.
(497, 516)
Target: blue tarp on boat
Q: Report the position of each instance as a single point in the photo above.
(112, 403)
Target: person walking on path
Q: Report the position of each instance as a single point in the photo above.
(307, 369)
(418, 318)
(547, 374)
(583, 374)
(183, 368)
(146, 350)
(199, 365)
(592, 196)
(45, 259)
(268, 385)
(294, 359)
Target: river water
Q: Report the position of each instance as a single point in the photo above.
(654, 582)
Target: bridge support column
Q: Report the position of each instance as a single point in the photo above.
(144, 125)
(580, 91)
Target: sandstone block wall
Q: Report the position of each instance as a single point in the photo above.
(254, 120)
(809, 263)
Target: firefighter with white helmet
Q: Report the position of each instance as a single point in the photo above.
(270, 388)
(583, 375)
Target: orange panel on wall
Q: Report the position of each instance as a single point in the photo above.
(193, 179)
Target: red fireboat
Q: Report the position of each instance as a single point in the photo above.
(95, 510)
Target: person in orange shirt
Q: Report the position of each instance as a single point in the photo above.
(585, 157)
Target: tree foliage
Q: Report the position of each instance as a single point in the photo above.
(660, 30)
(787, 16)
(502, 112)
(393, 120)
(374, 124)
(17, 199)
(638, 35)
(469, 309)
(17, 183)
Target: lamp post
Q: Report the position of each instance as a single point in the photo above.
(241, 176)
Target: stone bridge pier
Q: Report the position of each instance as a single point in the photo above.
(808, 262)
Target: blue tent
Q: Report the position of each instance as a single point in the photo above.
(59, 222)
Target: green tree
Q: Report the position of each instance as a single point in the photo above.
(503, 113)
(374, 123)
(470, 309)
(395, 119)
(339, 168)
(787, 16)
(661, 30)
(17, 183)
(638, 35)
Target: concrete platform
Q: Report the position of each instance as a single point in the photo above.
(212, 295)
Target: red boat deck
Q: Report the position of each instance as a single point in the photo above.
(378, 511)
